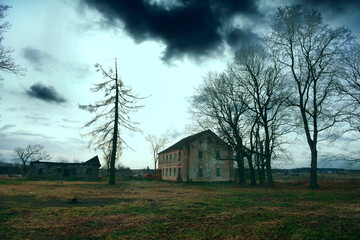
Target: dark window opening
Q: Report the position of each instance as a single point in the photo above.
(200, 172)
(174, 172)
(218, 172)
(73, 172)
(41, 171)
(59, 172)
(217, 155)
(66, 172)
(170, 172)
(200, 154)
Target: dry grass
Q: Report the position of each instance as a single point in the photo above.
(138, 209)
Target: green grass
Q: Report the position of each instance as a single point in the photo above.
(145, 209)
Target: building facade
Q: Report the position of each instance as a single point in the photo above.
(87, 169)
(199, 157)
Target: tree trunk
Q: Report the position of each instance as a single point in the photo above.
(241, 169)
(268, 157)
(313, 172)
(251, 170)
(115, 135)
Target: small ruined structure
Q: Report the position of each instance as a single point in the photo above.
(199, 157)
(88, 169)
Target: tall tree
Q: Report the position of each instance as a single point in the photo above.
(7, 63)
(311, 52)
(157, 144)
(113, 114)
(264, 86)
(30, 153)
(350, 88)
(219, 105)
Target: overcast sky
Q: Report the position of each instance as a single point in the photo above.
(163, 49)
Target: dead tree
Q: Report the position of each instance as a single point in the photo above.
(112, 114)
(30, 153)
(157, 144)
(311, 53)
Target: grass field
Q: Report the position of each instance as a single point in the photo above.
(144, 209)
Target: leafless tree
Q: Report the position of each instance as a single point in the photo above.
(262, 83)
(311, 53)
(7, 63)
(112, 114)
(29, 154)
(157, 144)
(219, 105)
(350, 87)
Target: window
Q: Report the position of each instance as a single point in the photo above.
(170, 157)
(200, 154)
(217, 155)
(174, 172)
(166, 172)
(170, 172)
(167, 157)
(179, 156)
(218, 171)
(73, 172)
(41, 171)
(200, 171)
(174, 156)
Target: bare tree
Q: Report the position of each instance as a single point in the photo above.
(113, 114)
(350, 88)
(157, 144)
(29, 154)
(7, 63)
(311, 52)
(219, 105)
(261, 82)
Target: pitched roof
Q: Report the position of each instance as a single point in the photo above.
(93, 161)
(187, 140)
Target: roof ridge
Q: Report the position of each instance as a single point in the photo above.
(186, 140)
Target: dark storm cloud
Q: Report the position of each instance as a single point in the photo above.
(194, 28)
(238, 37)
(37, 58)
(45, 93)
(334, 6)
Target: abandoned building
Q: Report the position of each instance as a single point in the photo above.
(199, 157)
(87, 169)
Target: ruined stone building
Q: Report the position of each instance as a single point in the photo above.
(87, 169)
(199, 157)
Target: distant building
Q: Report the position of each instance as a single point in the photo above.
(200, 157)
(9, 169)
(88, 169)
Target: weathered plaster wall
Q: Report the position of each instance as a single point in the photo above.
(190, 161)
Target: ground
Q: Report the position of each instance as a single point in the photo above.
(150, 209)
